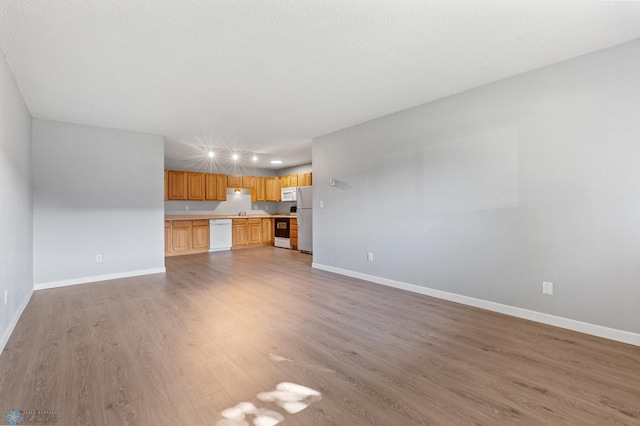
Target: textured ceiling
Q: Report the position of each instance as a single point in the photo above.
(267, 76)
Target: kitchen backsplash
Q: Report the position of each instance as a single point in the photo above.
(235, 203)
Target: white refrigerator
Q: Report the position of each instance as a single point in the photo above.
(305, 219)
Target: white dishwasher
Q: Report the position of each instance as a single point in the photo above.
(219, 234)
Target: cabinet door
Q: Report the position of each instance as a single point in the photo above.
(221, 187)
(196, 186)
(302, 181)
(210, 187)
(293, 180)
(239, 232)
(234, 181)
(181, 236)
(272, 189)
(248, 182)
(201, 234)
(308, 179)
(285, 181)
(255, 231)
(261, 189)
(167, 237)
(177, 185)
(294, 233)
(267, 231)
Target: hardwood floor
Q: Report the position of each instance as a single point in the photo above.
(224, 328)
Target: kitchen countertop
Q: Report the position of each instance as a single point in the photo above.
(223, 216)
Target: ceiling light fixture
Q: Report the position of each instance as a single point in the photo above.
(276, 161)
(211, 154)
(255, 158)
(235, 156)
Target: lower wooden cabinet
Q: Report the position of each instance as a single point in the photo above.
(293, 227)
(186, 237)
(200, 235)
(252, 232)
(239, 232)
(267, 231)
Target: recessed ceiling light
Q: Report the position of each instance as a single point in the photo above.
(235, 156)
(255, 158)
(211, 154)
(276, 161)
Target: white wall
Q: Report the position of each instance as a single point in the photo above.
(16, 219)
(96, 191)
(490, 192)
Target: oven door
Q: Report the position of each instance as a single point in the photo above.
(282, 227)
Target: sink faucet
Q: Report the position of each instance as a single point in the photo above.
(242, 213)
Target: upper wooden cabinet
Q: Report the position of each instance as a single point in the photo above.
(178, 185)
(248, 182)
(234, 181)
(195, 186)
(304, 179)
(272, 189)
(186, 185)
(260, 192)
(215, 187)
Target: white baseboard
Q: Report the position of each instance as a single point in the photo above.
(14, 321)
(86, 280)
(569, 324)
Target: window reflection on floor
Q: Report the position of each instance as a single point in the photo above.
(291, 397)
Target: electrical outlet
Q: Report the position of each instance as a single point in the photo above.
(98, 258)
(321, 204)
(370, 257)
(6, 297)
(547, 288)
(186, 208)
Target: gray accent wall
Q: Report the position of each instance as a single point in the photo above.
(96, 191)
(16, 218)
(488, 193)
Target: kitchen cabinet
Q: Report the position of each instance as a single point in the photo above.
(255, 231)
(167, 237)
(200, 235)
(181, 185)
(304, 179)
(215, 187)
(178, 185)
(260, 192)
(272, 189)
(252, 232)
(186, 237)
(248, 182)
(293, 233)
(181, 236)
(195, 186)
(267, 231)
(285, 181)
(234, 181)
(240, 233)
(221, 187)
